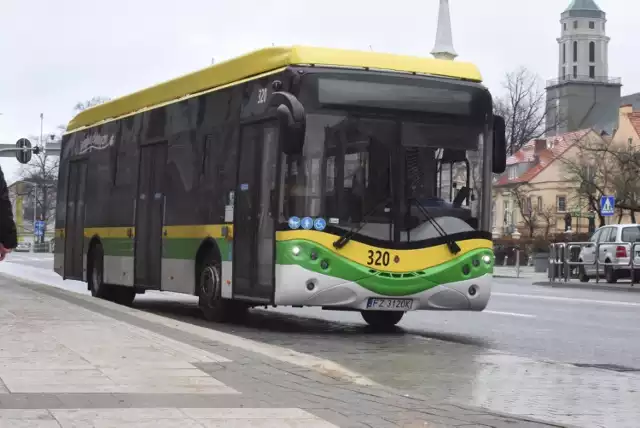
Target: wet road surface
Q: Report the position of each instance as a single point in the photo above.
(562, 355)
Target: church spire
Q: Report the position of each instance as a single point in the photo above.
(443, 48)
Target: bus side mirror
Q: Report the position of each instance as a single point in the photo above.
(291, 115)
(499, 145)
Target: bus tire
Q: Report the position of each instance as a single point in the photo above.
(95, 274)
(214, 308)
(382, 319)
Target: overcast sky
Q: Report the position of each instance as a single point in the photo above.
(54, 53)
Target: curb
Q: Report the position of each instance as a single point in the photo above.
(587, 286)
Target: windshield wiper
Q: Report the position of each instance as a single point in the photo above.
(453, 246)
(343, 240)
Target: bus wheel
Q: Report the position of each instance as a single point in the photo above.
(213, 306)
(382, 319)
(95, 276)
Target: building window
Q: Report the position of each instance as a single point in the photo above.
(575, 71)
(592, 72)
(564, 26)
(507, 214)
(575, 24)
(539, 207)
(493, 213)
(512, 173)
(592, 51)
(575, 51)
(562, 204)
(564, 53)
(564, 72)
(592, 25)
(603, 26)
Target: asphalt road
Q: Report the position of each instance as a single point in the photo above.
(564, 355)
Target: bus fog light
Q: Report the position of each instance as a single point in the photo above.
(295, 250)
(476, 262)
(486, 259)
(473, 290)
(311, 284)
(324, 264)
(314, 255)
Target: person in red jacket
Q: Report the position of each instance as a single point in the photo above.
(8, 234)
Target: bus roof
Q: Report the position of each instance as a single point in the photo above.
(262, 62)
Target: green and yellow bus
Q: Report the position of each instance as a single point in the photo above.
(293, 176)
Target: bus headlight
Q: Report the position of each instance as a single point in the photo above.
(295, 250)
(486, 259)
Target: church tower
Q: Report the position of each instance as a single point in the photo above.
(443, 48)
(583, 95)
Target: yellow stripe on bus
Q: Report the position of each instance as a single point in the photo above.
(409, 260)
(190, 231)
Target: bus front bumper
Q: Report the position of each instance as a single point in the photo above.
(300, 287)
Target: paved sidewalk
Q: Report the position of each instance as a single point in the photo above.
(526, 272)
(67, 360)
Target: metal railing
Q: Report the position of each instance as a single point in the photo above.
(586, 79)
(561, 264)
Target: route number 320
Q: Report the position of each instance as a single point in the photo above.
(378, 258)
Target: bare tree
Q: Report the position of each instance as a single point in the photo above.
(603, 168)
(522, 195)
(524, 108)
(42, 175)
(548, 216)
(83, 105)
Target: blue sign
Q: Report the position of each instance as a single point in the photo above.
(319, 224)
(294, 222)
(307, 223)
(607, 205)
(39, 228)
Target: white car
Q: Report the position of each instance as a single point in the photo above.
(616, 242)
(23, 246)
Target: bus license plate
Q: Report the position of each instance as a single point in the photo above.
(389, 304)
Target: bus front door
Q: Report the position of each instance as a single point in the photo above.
(150, 216)
(74, 225)
(254, 222)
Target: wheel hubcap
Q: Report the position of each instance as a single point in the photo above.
(210, 281)
(96, 277)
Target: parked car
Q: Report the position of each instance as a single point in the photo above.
(615, 247)
(23, 246)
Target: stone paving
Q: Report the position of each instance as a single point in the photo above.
(68, 360)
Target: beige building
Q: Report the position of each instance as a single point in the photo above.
(22, 200)
(538, 188)
(536, 192)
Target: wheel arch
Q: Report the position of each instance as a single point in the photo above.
(208, 245)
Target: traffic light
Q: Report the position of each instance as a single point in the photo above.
(23, 154)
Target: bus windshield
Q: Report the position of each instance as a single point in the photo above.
(350, 164)
(354, 159)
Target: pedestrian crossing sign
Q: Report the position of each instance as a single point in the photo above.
(607, 205)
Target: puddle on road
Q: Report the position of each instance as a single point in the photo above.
(457, 369)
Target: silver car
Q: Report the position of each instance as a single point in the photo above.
(615, 244)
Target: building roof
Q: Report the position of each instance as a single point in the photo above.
(259, 63)
(583, 5)
(583, 9)
(556, 146)
(634, 118)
